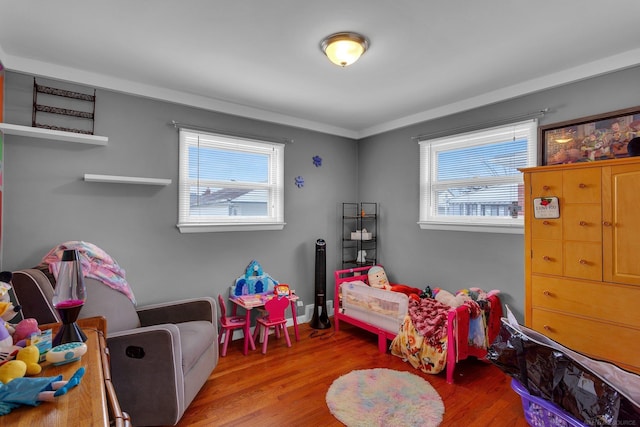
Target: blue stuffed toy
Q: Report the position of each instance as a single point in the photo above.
(31, 391)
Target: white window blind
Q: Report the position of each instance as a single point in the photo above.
(229, 183)
(471, 181)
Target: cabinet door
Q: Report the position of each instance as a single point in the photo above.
(621, 223)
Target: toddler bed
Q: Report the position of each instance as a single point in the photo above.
(385, 313)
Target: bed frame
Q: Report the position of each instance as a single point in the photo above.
(457, 323)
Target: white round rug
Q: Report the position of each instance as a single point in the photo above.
(384, 397)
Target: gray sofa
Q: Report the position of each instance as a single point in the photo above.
(161, 355)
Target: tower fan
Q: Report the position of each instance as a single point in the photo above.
(320, 319)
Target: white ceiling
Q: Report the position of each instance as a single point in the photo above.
(261, 59)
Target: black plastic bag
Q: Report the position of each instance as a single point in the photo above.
(550, 371)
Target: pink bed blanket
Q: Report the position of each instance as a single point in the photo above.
(426, 343)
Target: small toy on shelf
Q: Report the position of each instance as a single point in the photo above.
(5, 285)
(7, 349)
(66, 353)
(24, 330)
(21, 391)
(30, 355)
(8, 311)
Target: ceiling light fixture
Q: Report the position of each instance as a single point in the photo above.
(344, 48)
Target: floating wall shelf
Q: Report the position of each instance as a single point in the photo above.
(115, 179)
(56, 135)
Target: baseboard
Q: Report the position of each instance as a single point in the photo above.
(302, 318)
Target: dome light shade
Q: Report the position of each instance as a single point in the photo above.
(344, 48)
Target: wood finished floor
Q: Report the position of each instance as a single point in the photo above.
(287, 386)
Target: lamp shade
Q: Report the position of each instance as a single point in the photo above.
(344, 48)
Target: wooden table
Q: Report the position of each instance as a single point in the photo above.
(92, 403)
(249, 306)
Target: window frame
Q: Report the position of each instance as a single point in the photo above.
(274, 220)
(429, 148)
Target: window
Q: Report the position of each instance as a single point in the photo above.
(229, 183)
(471, 181)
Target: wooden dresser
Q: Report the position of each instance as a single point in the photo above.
(582, 269)
(92, 403)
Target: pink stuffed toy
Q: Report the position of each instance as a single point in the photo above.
(23, 330)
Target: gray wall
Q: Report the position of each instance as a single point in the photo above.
(47, 202)
(389, 174)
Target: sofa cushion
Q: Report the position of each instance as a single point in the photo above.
(195, 338)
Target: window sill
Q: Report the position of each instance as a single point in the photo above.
(475, 228)
(211, 228)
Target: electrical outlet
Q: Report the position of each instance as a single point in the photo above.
(300, 303)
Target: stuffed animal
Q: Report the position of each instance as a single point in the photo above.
(378, 278)
(5, 285)
(447, 298)
(8, 311)
(30, 355)
(11, 370)
(24, 364)
(32, 391)
(24, 330)
(6, 340)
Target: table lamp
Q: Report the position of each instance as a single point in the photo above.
(69, 297)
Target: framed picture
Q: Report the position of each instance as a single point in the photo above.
(599, 137)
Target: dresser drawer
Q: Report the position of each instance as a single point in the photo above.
(618, 344)
(583, 260)
(616, 303)
(545, 184)
(582, 222)
(546, 256)
(582, 186)
(546, 228)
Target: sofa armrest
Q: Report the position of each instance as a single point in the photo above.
(146, 371)
(187, 310)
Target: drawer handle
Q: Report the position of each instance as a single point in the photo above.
(547, 328)
(581, 185)
(545, 222)
(546, 188)
(583, 223)
(547, 293)
(606, 223)
(546, 258)
(583, 262)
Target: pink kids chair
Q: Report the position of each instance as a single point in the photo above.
(274, 317)
(229, 324)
